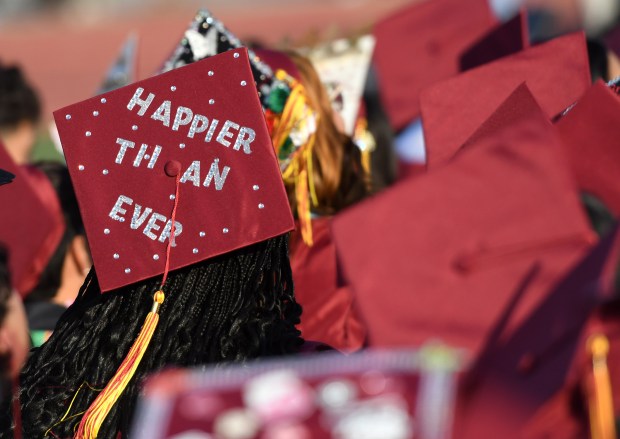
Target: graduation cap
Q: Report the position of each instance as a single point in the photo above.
(484, 224)
(589, 131)
(32, 223)
(169, 172)
(420, 45)
(5, 177)
(124, 69)
(556, 72)
(503, 40)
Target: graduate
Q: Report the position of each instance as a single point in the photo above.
(186, 216)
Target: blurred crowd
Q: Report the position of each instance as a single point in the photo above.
(446, 178)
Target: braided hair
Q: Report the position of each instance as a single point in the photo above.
(231, 308)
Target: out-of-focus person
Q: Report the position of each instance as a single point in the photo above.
(20, 111)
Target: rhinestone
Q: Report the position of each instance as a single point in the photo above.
(172, 197)
(182, 145)
(202, 234)
(209, 20)
(261, 206)
(195, 251)
(68, 116)
(212, 101)
(224, 230)
(255, 187)
(173, 88)
(116, 256)
(156, 257)
(95, 113)
(211, 73)
(88, 133)
(81, 167)
(106, 231)
(236, 55)
(103, 100)
(135, 127)
(127, 270)
(105, 172)
(243, 83)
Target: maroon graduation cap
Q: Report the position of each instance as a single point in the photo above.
(557, 73)
(420, 45)
(452, 248)
(190, 144)
(503, 40)
(31, 225)
(590, 132)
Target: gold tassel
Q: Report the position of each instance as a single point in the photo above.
(100, 408)
(602, 423)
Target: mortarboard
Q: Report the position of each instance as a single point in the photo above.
(32, 222)
(503, 40)
(420, 45)
(124, 70)
(168, 172)
(395, 394)
(589, 131)
(5, 177)
(483, 224)
(556, 72)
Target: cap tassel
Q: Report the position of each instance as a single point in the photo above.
(602, 423)
(100, 408)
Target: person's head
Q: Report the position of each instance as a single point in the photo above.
(14, 339)
(20, 111)
(67, 269)
(231, 308)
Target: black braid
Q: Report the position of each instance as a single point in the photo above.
(235, 307)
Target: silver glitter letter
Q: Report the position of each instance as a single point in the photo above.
(154, 157)
(245, 141)
(199, 124)
(163, 113)
(121, 152)
(143, 103)
(212, 128)
(192, 173)
(140, 155)
(137, 220)
(165, 234)
(118, 208)
(152, 225)
(180, 120)
(221, 138)
(214, 172)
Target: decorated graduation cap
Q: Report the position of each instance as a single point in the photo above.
(420, 45)
(590, 132)
(502, 217)
(503, 40)
(124, 69)
(169, 172)
(556, 72)
(32, 223)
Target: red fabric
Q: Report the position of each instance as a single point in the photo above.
(443, 254)
(250, 204)
(557, 73)
(590, 133)
(503, 40)
(31, 224)
(420, 45)
(329, 313)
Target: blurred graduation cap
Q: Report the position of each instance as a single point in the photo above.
(452, 248)
(556, 72)
(124, 70)
(420, 45)
(590, 132)
(32, 222)
(343, 66)
(5, 177)
(169, 172)
(503, 40)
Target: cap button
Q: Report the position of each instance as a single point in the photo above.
(172, 168)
